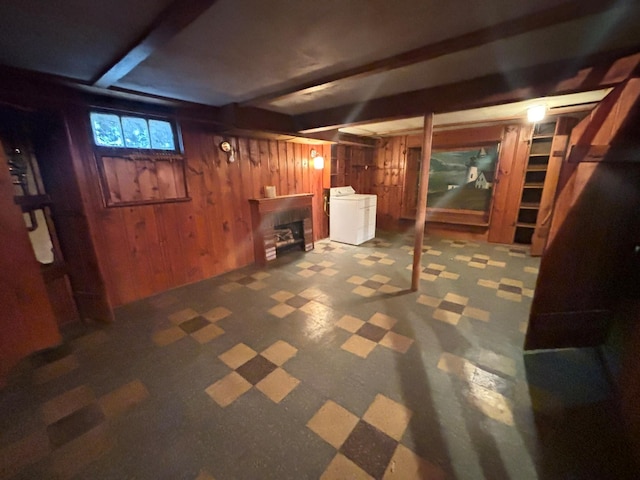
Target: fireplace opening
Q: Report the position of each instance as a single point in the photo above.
(289, 235)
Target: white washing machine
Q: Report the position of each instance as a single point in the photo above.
(352, 216)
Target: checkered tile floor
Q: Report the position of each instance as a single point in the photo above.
(369, 447)
(239, 280)
(250, 368)
(433, 271)
(508, 288)
(452, 308)
(201, 328)
(368, 335)
(374, 258)
(320, 365)
(426, 250)
(309, 269)
(478, 260)
(367, 287)
(333, 248)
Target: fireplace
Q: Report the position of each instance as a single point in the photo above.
(288, 235)
(281, 224)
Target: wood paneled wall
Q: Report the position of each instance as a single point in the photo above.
(388, 178)
(394, 177)
(146, 249)
(351, 165)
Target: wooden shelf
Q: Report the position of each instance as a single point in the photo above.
(536, 171)
(32, 202)
(529, 206)
(547, 136)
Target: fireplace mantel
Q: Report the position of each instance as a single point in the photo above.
(267, 213)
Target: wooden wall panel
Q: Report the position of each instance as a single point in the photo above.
(143, 250)
(508, 189)
(389, 159)
(395, 176)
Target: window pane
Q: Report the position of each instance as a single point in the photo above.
(136, 133)
(161, 135)
(106, 130)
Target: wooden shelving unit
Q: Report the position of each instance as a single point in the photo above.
(340, 165)
(534, 181)
(548, 146)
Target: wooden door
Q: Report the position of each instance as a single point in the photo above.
(27, 323)
(30, 195)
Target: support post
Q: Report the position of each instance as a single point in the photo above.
(421, 215)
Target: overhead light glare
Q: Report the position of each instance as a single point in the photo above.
(318, 160)
(536, 113)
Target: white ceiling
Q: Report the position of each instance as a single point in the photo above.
(239, 51)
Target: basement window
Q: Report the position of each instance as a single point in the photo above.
(124, 131)
(138, 159)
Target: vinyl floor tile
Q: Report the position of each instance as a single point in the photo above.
(277, 381)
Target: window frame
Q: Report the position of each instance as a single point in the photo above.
(175, 129)
(101, 152)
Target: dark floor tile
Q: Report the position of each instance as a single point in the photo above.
(431, 271)
(372, 332)
(74, 425)
(451, 306)
(256, 369)
(194, 324)
(297, 302)
(372, 284)
(369, 448)
(510, 288)
(246, 280)
(51, 355)
(316, 268)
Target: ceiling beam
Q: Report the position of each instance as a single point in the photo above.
(171, 21)
(334, 136)
(571, 10)
(565, 76)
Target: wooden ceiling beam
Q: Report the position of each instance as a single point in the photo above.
(555, 78)
(171, 21)
(571, 10)
(334, 136)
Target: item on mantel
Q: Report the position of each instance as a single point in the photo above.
(270, 191)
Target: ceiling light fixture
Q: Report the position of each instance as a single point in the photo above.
(318, 160)
(536, 113)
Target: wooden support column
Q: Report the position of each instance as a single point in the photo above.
(421, 215)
